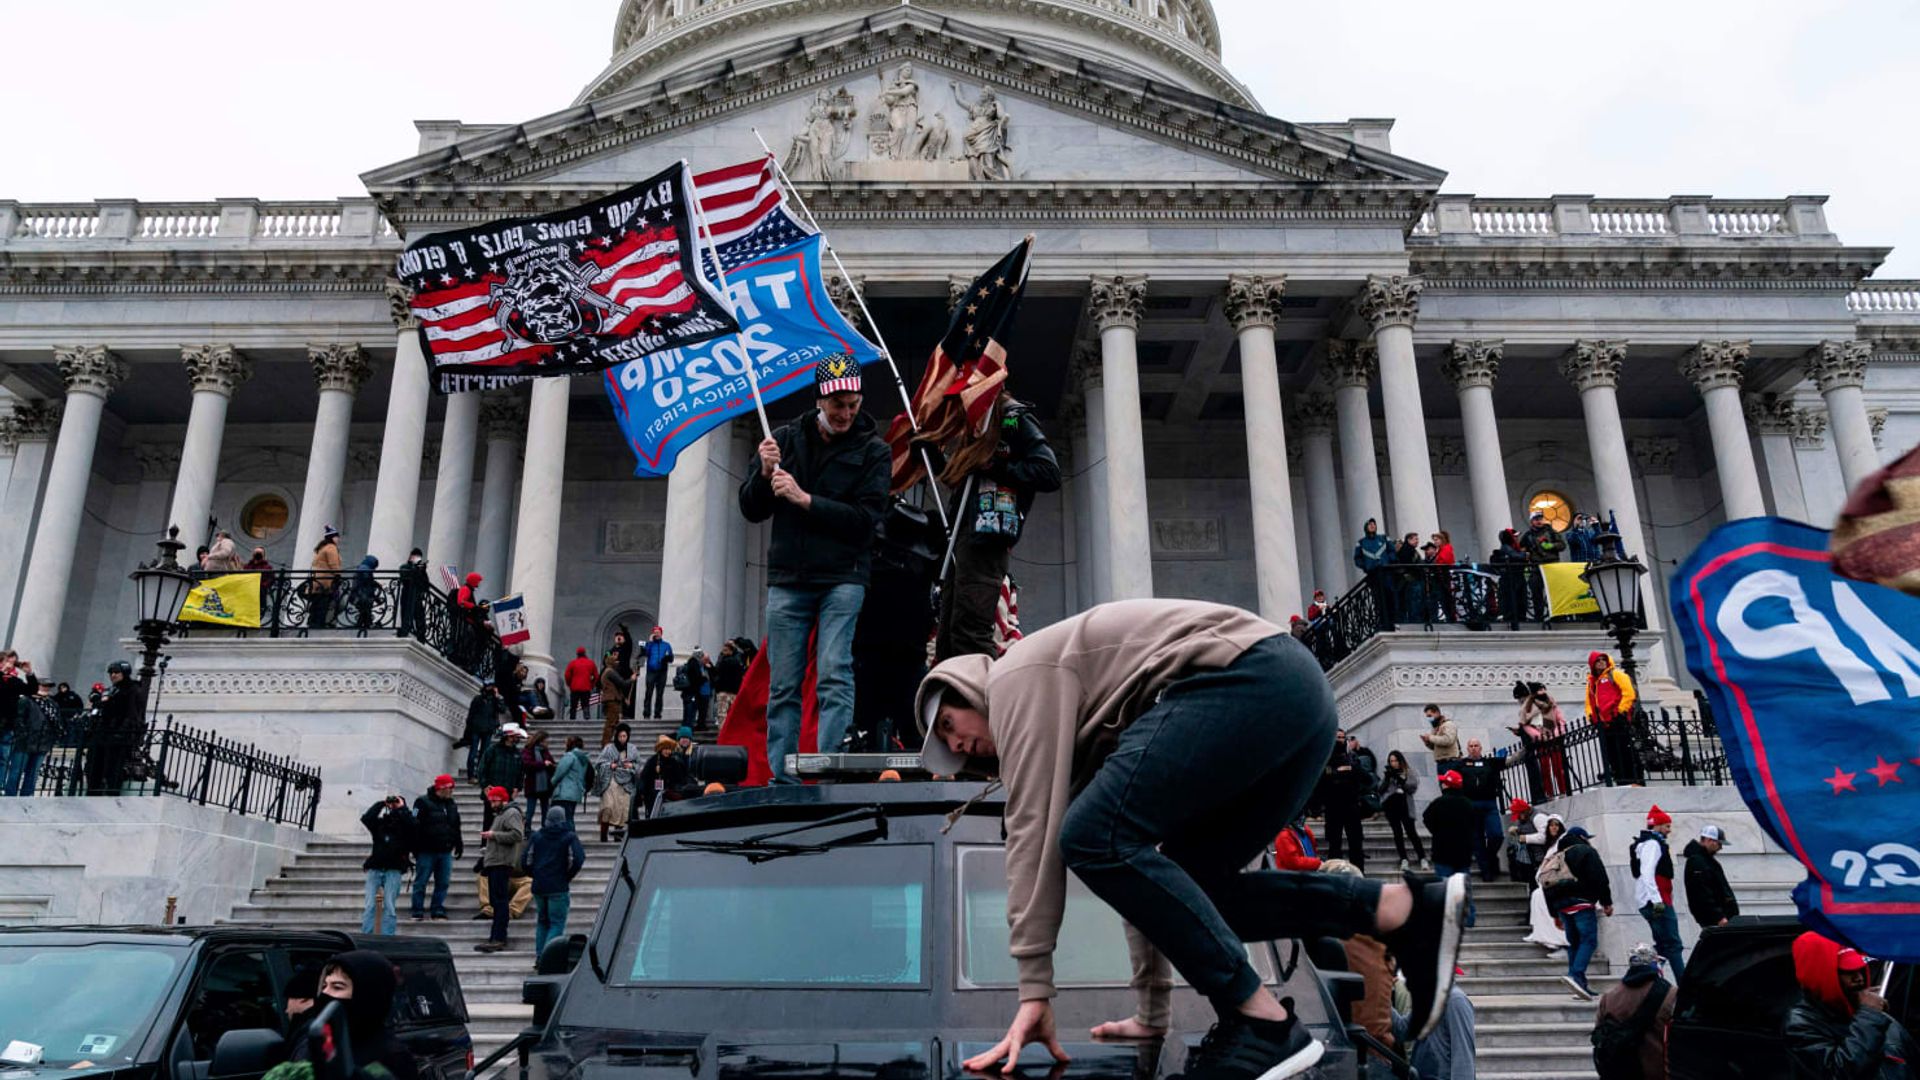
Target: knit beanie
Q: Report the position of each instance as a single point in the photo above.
(1657, 816)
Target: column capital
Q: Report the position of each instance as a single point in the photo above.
(1771, 414)
(1835, 364)
(1448, 454)
(34, 421)
(400, 305)
(1654, 454)
(1315, 414)
(339, 367)
(217, 369)
(503, 415)
(841, 292)
(90, 369)
(1810, 431)
(1391, 299)
(1085, 367)
(1119, 300)
(1254, 300)
(1593, 363)
(1473, 363)
(1351, 363)
(1713, 365)
(8, 440)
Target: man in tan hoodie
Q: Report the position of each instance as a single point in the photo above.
(1155, 747)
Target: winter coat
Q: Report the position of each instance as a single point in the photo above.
(570, 776)
(663, 774)
(536, 770)
(36, 725)
(1590, 883)
(364, 584)
(1445, 742)
(1372, 552)
(326, 566)
(1652, 867)
(1827, 1037)
(1455, 827)
(1709, 897)
(436, 827)
(554, 855)
(659, 654)
(1543, 544)
(697, 682)
(413, 581)
(582, 674)
(484, 714)
(830, 542)
(614, 688)
(1294, 849)
(618, 766)
(469, 595)
(1480, 777)
(1398, 785)
(223, 557)
(1026, 464)
(1610, 693)
(1623, 1000)
(728, 671)
(508, 840)
(392, 831)
(500, 767)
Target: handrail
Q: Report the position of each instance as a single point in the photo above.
(1409, 596)
(518, 1044)
(1668, 744)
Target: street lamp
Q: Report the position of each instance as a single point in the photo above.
(161, 587)
(1615, 585)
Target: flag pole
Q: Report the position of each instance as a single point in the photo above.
(746, 354)
(900, 384)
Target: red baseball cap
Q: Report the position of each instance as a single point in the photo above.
(1451, 778)
(443, 780)
(1851, 960)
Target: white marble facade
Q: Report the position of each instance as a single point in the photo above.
(1433, 357)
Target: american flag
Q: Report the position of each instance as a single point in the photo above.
(963, 378)
(746, 212)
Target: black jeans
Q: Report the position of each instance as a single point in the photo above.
(500, 895)
(970, 597)
(1196, 789)
(579, 703)
(1343, 831)
(1616, 753)
(656, 696)
(1400, 817)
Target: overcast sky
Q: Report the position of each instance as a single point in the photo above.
(193, 99)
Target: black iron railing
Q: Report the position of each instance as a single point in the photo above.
(306, 603)
(1658, 746)
(85, 757)
(1421, 596)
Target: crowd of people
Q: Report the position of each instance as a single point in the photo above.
(104, 731)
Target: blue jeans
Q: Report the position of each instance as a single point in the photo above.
(1492, 839)
(1666, 937)
(18, 769)
(1583, 936)
(474, 749)
(550, 920)
(1193, 792)
(439, 867)
(793, 614)
(388, 884)
(1445, 871)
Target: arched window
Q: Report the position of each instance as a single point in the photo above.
(264, 517)
(1557, 507)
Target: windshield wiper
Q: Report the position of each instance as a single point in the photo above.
(764, 846)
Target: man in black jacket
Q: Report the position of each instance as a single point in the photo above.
(1709, 896)
(1580, 890)
(1480, 783)
(823, 480)
(436, 843)
(485, 713)
(391, 827)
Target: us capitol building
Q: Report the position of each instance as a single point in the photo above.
(1246, 335)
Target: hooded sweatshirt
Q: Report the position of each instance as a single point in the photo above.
(1828, 1037)
(1652, 866)
(1709, 896)
(1373, 551)
(1609, 691)
(469, 594)
(1055, 704)
(369, 1013)
(554, 855)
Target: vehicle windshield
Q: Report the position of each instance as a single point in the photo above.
(83, 1003)
(845, 917)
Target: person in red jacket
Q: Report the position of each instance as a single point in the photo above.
(582, 676)
(1294, 848)
(469, 595)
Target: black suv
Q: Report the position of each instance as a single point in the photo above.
(1729, 1019)
(847, 929)
(154, 1003)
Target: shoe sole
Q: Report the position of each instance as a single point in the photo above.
(1582, 994)
(1452, 928)
(1302, 1060)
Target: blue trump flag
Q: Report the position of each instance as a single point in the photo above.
(666, 401)
(1815, 684)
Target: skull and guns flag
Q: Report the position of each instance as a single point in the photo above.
(566, 293)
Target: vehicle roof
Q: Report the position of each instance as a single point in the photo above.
(799, 802)
(174, 936)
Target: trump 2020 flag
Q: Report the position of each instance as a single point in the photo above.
(1815, 684)
(510, 619)
(667, 401)
(573, 291)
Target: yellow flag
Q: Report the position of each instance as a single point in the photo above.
(1566, 593)
(230, 600)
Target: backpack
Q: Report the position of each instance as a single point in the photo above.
(590, 776)
(680, 679)
(1616, 1043)
(1554, 869)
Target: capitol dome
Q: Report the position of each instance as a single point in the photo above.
(1173, 41)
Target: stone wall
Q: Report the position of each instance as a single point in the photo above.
(116, 861)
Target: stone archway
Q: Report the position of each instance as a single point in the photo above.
(637, 619)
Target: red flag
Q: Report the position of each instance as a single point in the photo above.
(746, 723)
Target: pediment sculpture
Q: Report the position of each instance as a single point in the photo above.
(905, 139)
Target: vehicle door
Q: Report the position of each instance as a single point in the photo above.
(1732, 1007)
(234, 991)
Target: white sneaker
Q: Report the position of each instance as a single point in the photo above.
(1403, 866)
(1427, 865)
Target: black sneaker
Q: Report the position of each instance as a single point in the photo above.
(1428, 947)
(1243, 1048)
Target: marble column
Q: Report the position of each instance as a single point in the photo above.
(1252, 305)
(1775, 423)
(1714, 368)
(503, 419)
(30, 428)
(1350, 366)
(1593, 367)
(685, 561)
(396, 494)
(1839, 370)
(339, 371)
(1117, 304)
(1471, 367)
(453, 482)
(536, 543)
(1390, 302)
(1093, 406)
(216, 371)
(1330, 562)
(90, 372)
(740, 457)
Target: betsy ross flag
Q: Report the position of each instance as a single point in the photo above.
(963, 378)
(569, 292)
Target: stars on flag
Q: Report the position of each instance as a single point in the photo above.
(1884, 773)
(1840, 781)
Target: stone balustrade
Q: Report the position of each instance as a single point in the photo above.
(1583, 217)
(247, 220)
(1890, 297)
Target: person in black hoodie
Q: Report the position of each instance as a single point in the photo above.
(1709, 897)
(413, 594)
(436, 843)
(1577, 887)
(1455, 827)
(822, 481)
(728, 670)
(365, 982)
(391, 825)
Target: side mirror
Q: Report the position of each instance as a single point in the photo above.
(543, 993)
(561, 955)
(247, 1052)
(723, 764)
